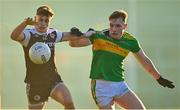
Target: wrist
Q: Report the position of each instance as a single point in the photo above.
(157, 76)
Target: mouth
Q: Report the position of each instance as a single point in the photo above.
(114, 34)
(41, 25)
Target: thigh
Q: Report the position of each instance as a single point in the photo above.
(102, 95)
(129, 101)
(61, 94)
(37, 95)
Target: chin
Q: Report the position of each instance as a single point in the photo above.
(42, 30)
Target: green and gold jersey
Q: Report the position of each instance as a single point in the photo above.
(109, 53)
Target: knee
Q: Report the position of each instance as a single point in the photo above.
(69, 105)
(107, 106)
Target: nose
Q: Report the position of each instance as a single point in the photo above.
(113, 29)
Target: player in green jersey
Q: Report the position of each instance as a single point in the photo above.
(110, 47)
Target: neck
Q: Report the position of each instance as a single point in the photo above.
(40, 31)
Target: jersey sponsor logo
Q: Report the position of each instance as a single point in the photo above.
(51, 45)
(52, 35)
(100, 44)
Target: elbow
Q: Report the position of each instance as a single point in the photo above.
(12, 36)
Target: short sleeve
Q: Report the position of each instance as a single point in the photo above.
(91, 39)
(136, 47)
(59, 36)
(26, 39)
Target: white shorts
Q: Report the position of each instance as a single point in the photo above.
(104, 92)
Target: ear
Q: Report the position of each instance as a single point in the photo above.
(35, 18)
(125, 26)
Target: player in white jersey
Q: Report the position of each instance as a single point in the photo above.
(43, 80)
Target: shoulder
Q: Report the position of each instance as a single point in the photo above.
(29, 29)
(128, 36)
(50, 30)
(104, 32)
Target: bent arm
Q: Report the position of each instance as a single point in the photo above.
(147, 64)
(17, 33)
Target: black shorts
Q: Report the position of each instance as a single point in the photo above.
(39, 93)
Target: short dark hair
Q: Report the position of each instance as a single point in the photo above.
(119, 14)
(45, 10)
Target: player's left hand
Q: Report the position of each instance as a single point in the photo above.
(165, 83)
(75, 31)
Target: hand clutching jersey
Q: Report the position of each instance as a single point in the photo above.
(40, 73)
(109, 53)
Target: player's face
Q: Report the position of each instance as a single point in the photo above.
(42, 23)
(117, 27)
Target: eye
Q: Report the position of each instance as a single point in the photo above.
(119, 26)
(111, 25)
(40, 19)
(47, 20)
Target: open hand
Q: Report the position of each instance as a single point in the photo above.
(29, 21)
(165, 83)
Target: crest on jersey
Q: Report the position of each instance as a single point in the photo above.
(52, 35)
(37, 97)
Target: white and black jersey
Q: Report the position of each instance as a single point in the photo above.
(40, 73)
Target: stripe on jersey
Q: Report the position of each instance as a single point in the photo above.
(100, 44)
(93, 90)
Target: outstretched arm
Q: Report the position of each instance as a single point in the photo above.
(76, 34)
(17, 33)
(84, 41)
(151, 69)
(147, 64)
(80, 42)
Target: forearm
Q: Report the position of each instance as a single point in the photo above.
(67, 36)
(18, 31)
(80, 42)
(151, 69)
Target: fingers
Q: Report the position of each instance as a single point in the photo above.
(29, 21)
(170, 85)
(165, 83)
(89, 33)
(75, 31)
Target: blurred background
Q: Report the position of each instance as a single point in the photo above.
(155, 23)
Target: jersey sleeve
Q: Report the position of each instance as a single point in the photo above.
(26, 39)
(136, 47)
(59, 36)
(91, 38)
(94, 36)
(133, 44)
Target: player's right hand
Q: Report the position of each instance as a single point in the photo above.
(165, 83)
(29, 21)
(90, 32)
